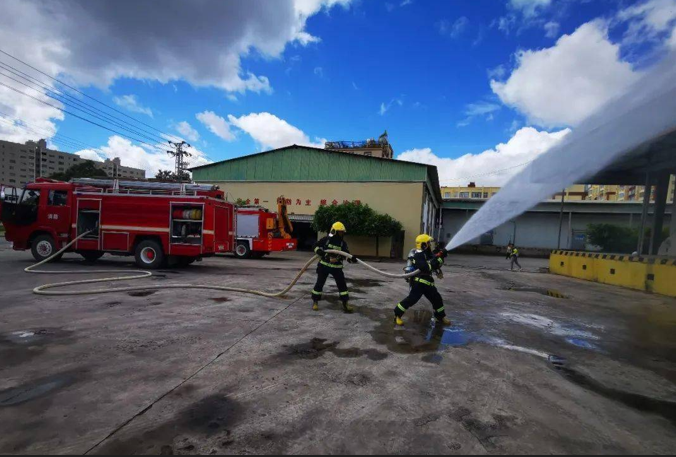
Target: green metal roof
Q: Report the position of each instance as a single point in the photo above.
(302, 164)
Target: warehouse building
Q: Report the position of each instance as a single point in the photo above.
(545, 227)
(310, 177)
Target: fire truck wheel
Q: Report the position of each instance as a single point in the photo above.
(243, 251)
(91, 256)
(149, 254)
(44, 247)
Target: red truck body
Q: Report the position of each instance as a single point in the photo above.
(158, 223)
(258, 233)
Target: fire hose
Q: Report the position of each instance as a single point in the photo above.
(140, 274)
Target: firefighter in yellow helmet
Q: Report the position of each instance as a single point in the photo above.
(423, 259)
(332, 265)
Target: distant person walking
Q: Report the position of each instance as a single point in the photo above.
(513, 256)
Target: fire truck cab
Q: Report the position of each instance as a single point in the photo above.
(158, 223)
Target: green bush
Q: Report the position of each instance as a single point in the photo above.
(622, 240)
(360, 220)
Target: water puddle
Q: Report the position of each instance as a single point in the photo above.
(644, 403)
(27, 337)
(141, 293)
(582, 343)
(21, 394)
(538, 290)
(550, 326)
(451, 336)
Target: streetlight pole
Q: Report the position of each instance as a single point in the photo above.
(563, 200)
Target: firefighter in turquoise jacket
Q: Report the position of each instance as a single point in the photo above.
(332, 265)
(427, 262)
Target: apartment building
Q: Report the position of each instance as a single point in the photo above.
(22, 163)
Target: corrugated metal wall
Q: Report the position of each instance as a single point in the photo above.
(299, 164)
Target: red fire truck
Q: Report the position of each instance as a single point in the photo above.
(260, 232)
(158, 223)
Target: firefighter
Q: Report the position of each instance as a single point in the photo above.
(427, 262)
(513, 257)
(332, 265)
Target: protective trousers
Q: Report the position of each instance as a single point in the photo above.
(324, 272)
(418, 289)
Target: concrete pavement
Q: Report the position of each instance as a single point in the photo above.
(534, 363)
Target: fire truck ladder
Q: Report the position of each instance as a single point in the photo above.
(117, 186)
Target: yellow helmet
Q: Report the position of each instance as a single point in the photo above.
(423, 241)
(338, 227)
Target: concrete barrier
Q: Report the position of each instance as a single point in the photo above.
(650, 273)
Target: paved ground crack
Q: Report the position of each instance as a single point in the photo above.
(144, 410)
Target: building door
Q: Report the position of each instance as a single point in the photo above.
(487, 239)
(397, 251)
(306, 237)
(579, 240)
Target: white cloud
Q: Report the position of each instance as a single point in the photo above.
(505, 23)
(526, 144)
(23, 118)
(188, 132)
(89, 155)
(384, 108)
(131, 103)
(319, 71)
(649, 20)
(151, 160)
(271, 132)
(564, 84)
(672, 40)
(216, 124)
(529, 8)
(99, 42)
(552, 29)
(454, 29)
(479, 109)
(497, 73)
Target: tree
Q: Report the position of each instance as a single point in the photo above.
(621, 240)
(170, 176)
(85, 169)
(360, 220)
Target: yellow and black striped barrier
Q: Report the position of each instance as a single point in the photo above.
(648, 273)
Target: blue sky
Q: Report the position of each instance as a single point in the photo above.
(500, 80)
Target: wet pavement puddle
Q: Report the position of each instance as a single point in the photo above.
(23, 393)
(538, 290)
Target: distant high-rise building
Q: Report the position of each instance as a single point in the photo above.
(636, 193)
(22, 163)
(372, 148)
(603, 192)
(473, 192)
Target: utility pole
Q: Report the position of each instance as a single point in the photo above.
(179, 154)
(563, 201)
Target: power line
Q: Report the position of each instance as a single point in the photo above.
(85, 110)
(59, 137)
(78, 116)
(79, 102)
(85, 95)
